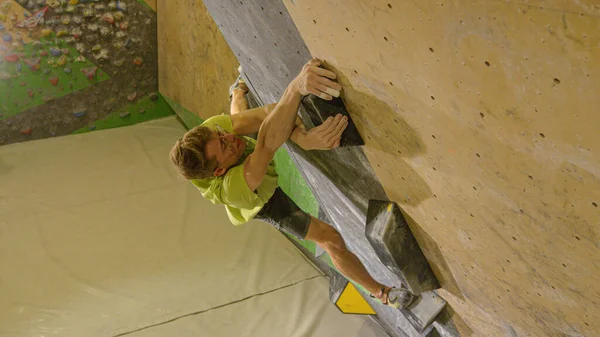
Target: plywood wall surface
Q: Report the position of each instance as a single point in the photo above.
(196, 65)
(481, 120)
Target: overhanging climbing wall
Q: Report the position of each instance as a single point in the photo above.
(480, 119)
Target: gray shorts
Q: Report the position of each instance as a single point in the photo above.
(282, 213)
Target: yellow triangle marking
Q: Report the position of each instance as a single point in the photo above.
(352, 302)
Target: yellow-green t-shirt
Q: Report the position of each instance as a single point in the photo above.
(231, 189)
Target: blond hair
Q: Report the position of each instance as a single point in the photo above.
(188, 154)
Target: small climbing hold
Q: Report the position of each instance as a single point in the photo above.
(79, 113)
(65, 19)
(138, 61)
(46, 32)
(127, 42)
(43, 53)
(19, 67)
(55, 52)
(48, 99)
(67, 70)
(46, 71)
(102, 55)
(108, 18)
(33, 63)
(7, 37)
(53, 3)
(70, 9)
(12, 57)
(118, 44)
(96, 47)
(122, 6)
(76, 32)
(118, 63)
(53, 80)
(37, 45)
(62, 61)
(66, 51)
(154, 97)
(73, 2)
(120, 34)
(124, 25)
(142, 111)
(92, 127)
(104, 31)
(119, 16)
(124, 114)
(62, 32)
(131, 97)
(39, 90)
(80, 59)
(90, 73)
(112, 5)
(77, 19)
(30, 93)
(88, 13)
(27, 131)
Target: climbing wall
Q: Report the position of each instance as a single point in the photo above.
(69, 64)
(480, 119)
(196, 64)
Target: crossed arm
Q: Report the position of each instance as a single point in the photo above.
(276, 123)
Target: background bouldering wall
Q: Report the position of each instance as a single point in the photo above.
(480, 119)
(69, 66)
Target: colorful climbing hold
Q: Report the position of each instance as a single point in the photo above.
(27, 131)
(53, 80)
(12, 57)
(46, 32)
(138, 61)
(30, 93)
(79, 113)
(131, 97)
(55, 52)
(124, 114)
(118, 63)
(53, 3)
(124, 25)
(67, 70)
(108, 18)
(92, 127)
(119, 16)
(7, 37)
(33, 63)
(73, 2)
(80, 59)
(90, 73)
(62, 60)
(43, 53)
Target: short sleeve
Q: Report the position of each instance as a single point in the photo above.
(224, 121)
(238, 193)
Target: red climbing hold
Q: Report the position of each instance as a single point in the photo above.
(30, 93)
(27, 131)
(12, 57)
(33, 63)
(53, 80)
(90, 73)
(131, 97)
(138, 61)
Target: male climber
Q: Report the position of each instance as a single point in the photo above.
(239, 172)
